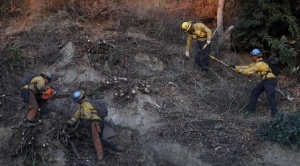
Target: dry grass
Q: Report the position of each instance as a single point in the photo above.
(91, 10)
(11, 8)
(219, 94)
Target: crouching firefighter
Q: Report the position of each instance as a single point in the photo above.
(267, 84)
(34, 86)
(90, 118)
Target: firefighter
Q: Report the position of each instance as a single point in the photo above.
(88, 114)
(202, 35)
(267, 84)
(32, 94)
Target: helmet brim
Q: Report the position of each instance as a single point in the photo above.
(188, 28)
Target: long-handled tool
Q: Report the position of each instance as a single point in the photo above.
(212, 36)
(221, 62)
(205, 45)
(225, 33)
(286, 96)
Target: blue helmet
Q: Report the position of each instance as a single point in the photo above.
(255, 52)
(77, 95)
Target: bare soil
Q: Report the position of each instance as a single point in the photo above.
(184, 118)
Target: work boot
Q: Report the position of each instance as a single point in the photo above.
(29, 124)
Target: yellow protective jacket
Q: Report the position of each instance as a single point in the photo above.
(36, 85)
(85, 112)
(201, 33)
(259, 67)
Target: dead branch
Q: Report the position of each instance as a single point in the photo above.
(74, 149)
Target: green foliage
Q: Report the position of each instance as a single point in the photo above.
(284, 129)
(270, 25)
(17, 56)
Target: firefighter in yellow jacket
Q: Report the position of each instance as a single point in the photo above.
(32, 95)
(267, 84)
(202, 34)
(89, 116)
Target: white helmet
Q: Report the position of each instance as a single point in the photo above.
(47, 75)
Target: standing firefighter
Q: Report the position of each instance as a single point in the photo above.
(268, 81)
(202, 34)
(31, 93)
(89, 116)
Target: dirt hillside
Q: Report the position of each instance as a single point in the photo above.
(161, 111)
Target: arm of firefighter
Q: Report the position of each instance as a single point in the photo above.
(247, 70)
(74, 117)
(189, 43)
(208, 32)
(39, 82)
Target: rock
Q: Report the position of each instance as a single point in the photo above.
(126, 136)
(108, 132)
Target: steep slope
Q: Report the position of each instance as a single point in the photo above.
(181, 119)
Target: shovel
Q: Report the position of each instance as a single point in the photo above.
(285, 95)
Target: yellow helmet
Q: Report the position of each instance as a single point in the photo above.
(186, 26)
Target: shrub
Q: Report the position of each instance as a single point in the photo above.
(17, 57)
(84, 8)
(10, 8)
(284, 129)
(271, 26)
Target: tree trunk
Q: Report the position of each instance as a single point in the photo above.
(220, 30)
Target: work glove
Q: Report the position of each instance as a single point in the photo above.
(187, 54)
(208, 41)
(70, 122)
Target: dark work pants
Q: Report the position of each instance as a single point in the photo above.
(267, 85)
(202, 56)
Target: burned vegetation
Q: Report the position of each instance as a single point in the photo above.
(134, 68)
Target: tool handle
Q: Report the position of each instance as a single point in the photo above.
(212, 57)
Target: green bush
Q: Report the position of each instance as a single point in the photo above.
(270, 25)
(17, 56)
(284, 129)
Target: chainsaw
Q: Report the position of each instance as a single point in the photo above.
(49, 94)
